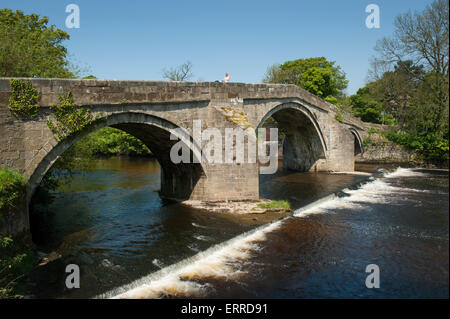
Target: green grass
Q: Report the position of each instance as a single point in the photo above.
(275, 204)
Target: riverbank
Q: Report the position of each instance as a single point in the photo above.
(383, 145)
(18, 257)
(17, 254)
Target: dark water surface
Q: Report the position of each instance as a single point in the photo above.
(111, 222)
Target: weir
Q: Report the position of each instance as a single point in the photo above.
(190, 278)
(217, 261)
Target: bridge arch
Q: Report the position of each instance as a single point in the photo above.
(178, 181)
(359, 146)
(304, 145)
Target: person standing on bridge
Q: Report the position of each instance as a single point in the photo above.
(227, 78)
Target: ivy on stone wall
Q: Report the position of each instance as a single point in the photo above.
(70, 119)
(339, 117)
(23, 102)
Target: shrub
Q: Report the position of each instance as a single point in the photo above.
(12, 186)
(17, 259)
(429, 146)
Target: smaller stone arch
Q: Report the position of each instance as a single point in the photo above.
(359, 146)
(301, 108)
(304, 145)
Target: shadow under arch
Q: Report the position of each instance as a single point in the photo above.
(178, 181)
(359, 146)
(304, 146)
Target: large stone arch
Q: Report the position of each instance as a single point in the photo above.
(178, 181)
(304, 147)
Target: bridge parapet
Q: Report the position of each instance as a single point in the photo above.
(110, 92)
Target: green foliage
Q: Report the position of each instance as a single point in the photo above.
(366, 106)
(332, 100)
(411, 80)
(31, 48)
(17, 258)
(70, 119)
(430, 147)
(339, 117)
(109, 141)
(369, 141)
(316, 75)
(23, 102)
(12, 186)
(275, 204)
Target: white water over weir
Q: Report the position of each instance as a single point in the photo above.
(223, 261)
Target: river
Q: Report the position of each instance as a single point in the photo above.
(129, 243)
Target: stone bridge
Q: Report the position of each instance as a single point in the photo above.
(314, 140)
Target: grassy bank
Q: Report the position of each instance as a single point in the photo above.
(17, 256)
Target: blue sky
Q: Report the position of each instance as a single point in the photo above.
(135, 40)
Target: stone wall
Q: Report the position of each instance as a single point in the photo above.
(378, 148)
(384, 152)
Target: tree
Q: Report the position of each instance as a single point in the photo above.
(395, 91)
(419, 37)
(410, 78)
(366, 106)
(182, 72)
(417, 55)
(316, 75)
(30, 48)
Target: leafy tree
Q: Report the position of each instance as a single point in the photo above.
(316, 75)
(410, 78)
(366, 107)
(396, 91)
(31, 48)
(414, 66)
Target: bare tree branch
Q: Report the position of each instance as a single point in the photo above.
(180, 73)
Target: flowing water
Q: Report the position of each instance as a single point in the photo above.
(130, 244)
